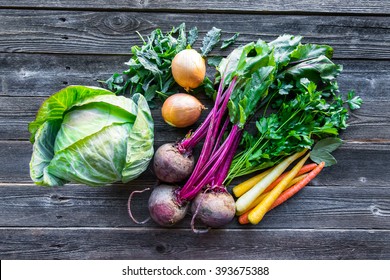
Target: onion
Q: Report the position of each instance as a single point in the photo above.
(181, 110)
(188, 69)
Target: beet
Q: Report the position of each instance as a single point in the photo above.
(170, 165)
(164, 207)
(214, 209)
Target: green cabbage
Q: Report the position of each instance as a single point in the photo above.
(91, 136)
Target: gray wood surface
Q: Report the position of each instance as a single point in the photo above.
(250, 6)
(87, 32)
(109, 243)
(47, 45)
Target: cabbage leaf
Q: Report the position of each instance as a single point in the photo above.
(91, 136)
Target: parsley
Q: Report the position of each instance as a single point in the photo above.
(353, 101)
(303, 106)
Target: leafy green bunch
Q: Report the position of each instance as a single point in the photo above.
(302, 107)
(149, 69)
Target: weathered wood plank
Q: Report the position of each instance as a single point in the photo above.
(314, 207)
(358, 164)
(111, 243)
(226, 6)
(44, 74)
(112, 32)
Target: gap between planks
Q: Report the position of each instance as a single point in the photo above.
(189, 230)
(181, 10)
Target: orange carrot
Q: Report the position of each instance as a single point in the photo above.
(243, 219)
(298, 186)
(304, 169)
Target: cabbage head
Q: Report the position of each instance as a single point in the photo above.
(91, 136)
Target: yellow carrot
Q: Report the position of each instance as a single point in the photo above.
(298, 186)
(306, 168)
(261, 197)
(257, 214)
(243, 187)
(244, 201)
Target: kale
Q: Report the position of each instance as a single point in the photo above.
(149, 68)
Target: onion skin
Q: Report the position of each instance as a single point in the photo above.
(188, 69)
(181, 110)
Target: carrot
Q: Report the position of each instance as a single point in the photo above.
(243, 187)
(261, 197)
(306, 168)
(295, 186)
(244, 201)
(243, 219)
(298, 186)
(257, 214)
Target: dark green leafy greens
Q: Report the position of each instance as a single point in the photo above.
(149, 69)
(226, 43)
(303, 106)
(192, 36)
(211, 39)
(214, 60)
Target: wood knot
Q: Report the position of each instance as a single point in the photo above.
(117, 20)
(160, 249)
(143, 3)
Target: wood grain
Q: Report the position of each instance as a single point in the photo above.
(45, 31)
(141, 243)
(44, 74)
(47, 45)
(225, 6)
(315, 207)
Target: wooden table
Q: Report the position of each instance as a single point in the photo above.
(46, 45)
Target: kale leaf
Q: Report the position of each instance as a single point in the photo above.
(149, 68)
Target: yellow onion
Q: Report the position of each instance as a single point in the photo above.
(181, 110)
(188, 69)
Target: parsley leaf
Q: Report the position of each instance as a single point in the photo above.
(353, 101)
